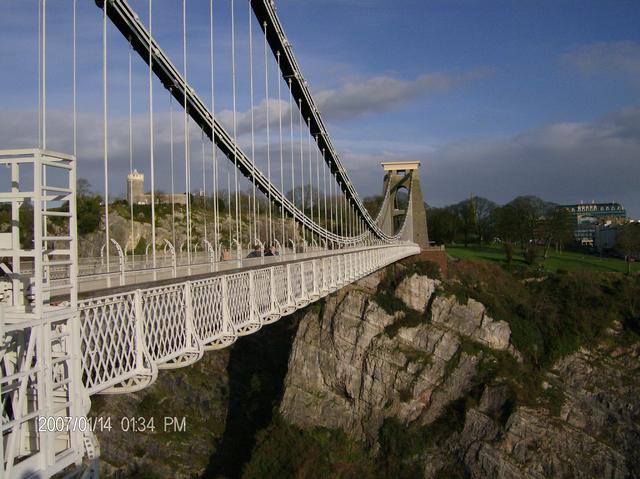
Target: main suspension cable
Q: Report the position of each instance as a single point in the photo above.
(324, 191)
(131, 158)
(44, 74)
(293, 167)
(216, 225)
(317, 182)
(310, 180)
(284, 240)
(105, 136)
(186, 129)
(74, 82)
(204, 186)
(44, 111)
(235, 125)
(253, 233)
(332, 222)
(304, 240)
(266, 90)
(229, 207)
(151, 150)
(173, 193)
(39, 62)
(340, 205)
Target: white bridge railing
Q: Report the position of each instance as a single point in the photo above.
(126, 337)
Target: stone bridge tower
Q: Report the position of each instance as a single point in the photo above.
(400, 179)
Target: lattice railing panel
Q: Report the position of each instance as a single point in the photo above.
(322, 276)
(334, 272)
(262, 292)
(309, 279)
(281, 292)
(239, 299)
(295, 271)
(206, 304)
(165, 322)
(108, 339)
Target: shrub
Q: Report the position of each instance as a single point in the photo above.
(400, 444)
(285, 451)
(141, 247)
(425, 268)
(549, 318)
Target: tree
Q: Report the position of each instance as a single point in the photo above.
(88, 208)
(524, 219)
(83, 188)
(443, 225)
(628, 241)
(484, 218)
(506, 225)
(468, 220)
(373, 204)
(474, 219)
(556, 228)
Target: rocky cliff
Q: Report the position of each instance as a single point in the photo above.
(442, 373)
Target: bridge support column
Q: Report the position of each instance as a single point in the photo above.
(404, 177)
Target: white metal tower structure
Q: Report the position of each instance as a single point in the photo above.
(43, 402)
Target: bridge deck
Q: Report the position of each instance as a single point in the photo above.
(130, 332)
(99, 284)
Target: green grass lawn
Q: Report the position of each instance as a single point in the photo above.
(566, 260)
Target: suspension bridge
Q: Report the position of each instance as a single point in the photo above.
(288, 229)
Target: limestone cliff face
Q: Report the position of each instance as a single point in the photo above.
(345, 372)
(350, 369)
(596, 434)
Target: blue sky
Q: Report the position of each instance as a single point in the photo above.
(496, 98)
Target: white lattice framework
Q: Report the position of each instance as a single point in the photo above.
(40, 348)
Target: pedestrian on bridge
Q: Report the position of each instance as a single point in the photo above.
(257, 252)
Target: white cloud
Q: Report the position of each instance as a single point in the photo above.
(383, 93)
(260, 115)
(353, 99)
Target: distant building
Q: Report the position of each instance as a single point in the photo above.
(589, 217)
(137, 196)
(597, 212)
(178, 199)
(135, 189)
(605, 237)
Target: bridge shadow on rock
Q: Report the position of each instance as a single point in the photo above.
(257, 368)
